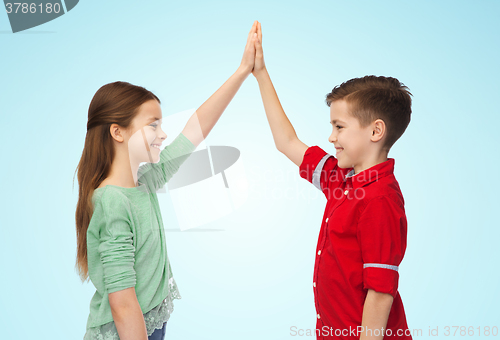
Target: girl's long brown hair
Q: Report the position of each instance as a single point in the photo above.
(114, 103)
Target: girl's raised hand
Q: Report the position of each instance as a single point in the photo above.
(248, 59)
(259, 65)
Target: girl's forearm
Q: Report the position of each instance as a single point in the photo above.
(129, 321)
(281, 127)
(203, 120)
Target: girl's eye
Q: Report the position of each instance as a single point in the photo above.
(154, 125)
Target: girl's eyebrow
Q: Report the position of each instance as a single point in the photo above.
(152, 119)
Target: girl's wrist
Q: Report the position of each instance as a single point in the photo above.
(244, 70)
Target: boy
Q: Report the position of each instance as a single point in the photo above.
(363, 233)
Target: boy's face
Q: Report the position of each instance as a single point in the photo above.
(351, 141)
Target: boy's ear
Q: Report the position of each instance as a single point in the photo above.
(378, 130)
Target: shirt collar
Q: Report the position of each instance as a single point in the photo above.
(370, 175)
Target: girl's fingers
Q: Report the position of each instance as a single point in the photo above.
(252, 30)
(251, 42)
(251, 46)
(259, 30)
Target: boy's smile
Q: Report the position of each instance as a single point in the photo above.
(353, 144)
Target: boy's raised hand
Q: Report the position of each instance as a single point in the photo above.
(259, 53)
(284, 135)
(248, 60)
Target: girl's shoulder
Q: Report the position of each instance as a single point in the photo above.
(112, 212)
(110, 204)
(110, 196)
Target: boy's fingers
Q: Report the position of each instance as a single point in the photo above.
(259, 29)
(258, 52)
(258, 49)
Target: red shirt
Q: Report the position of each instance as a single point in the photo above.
(361, 243)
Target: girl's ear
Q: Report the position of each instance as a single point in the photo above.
(117, 132)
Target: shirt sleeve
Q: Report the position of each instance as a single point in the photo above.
(116, 246)
(382, 238)
(155, 175)
(321, 169)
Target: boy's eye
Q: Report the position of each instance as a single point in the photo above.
(339, 127)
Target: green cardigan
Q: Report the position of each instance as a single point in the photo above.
(126, 244)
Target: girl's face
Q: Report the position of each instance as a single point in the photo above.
(146, 134)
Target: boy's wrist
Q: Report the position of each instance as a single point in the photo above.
(260, 73)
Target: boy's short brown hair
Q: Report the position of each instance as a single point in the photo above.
(371, 97)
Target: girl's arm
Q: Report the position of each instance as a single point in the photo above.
(127, 315)
(284, 135)
(203, 120)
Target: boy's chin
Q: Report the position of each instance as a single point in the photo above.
(340, 164)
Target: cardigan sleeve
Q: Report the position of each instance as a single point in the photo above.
(116, 246)
(155, 175)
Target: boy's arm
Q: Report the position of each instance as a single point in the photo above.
(284, 135)
(375, 315)
(381, 234)
(203, 120)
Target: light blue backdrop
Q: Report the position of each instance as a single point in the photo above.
(253, 280)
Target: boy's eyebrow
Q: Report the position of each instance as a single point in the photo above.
(336, 121)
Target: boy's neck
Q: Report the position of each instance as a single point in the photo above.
(369, 162)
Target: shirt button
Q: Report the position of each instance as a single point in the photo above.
(319, 252)
(314, 284)
(318, 317)
(346, 192)
(326, 220)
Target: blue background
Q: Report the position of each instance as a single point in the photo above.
(253, 279)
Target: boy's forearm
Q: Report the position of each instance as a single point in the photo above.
(207, 115)
(281, 127)
(375, 315)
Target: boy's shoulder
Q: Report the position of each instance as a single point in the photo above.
(384, 187)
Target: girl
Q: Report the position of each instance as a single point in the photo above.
(120, 234)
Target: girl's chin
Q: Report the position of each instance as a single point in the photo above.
(152, 159)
